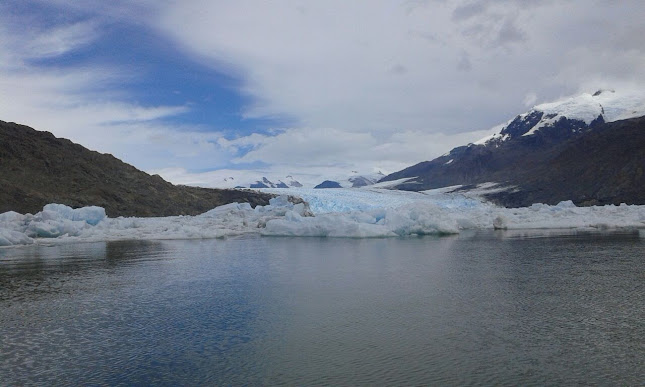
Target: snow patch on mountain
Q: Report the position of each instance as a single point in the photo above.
(391, 184)
(611, 105)
(584, 107)
(266, 183)
(496, 135)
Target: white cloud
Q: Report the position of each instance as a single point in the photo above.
(399, 80)
(334, 148)
(530, 99)
(85, 104)
(59, 40)
(313, 155)
(467, 65)
(370, 83)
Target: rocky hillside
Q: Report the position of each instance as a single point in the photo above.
(578, 149)
(605, 166)
(37, 168)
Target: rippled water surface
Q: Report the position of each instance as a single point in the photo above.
(484, 308)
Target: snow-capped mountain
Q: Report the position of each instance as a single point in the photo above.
(251, 179)
(570, 115)
(272, 177)
(532, 153)
(354, 181)
(266, 183)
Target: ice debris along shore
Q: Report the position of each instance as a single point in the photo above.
(354, 213)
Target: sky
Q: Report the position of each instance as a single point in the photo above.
(197, 89)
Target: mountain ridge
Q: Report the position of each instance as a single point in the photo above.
(530, 156)
(37, 168)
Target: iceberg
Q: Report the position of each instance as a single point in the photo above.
(10, 238)
(91, 215)
(349, 213)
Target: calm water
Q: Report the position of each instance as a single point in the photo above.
(484, 308)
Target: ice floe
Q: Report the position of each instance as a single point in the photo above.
(355, 213)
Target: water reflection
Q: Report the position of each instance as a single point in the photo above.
(34, 270)
(124, 312)
(475, 308)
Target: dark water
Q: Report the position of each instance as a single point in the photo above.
(485, 308)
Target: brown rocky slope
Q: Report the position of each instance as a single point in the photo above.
(37, 168)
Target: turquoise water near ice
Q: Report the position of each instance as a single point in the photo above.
(476, 308)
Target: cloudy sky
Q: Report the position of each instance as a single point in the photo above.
(187, 87)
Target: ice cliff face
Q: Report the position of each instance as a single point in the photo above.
(343, 212)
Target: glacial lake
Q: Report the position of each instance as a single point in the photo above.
(480, 308)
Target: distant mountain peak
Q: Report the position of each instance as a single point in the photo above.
(588, 148)
(328, 184)
(572, 113)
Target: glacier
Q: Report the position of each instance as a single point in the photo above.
(343, 212)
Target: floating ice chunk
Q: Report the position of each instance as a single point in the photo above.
(364, 213)
(326, 225)
(55, 228)
(11, 216)
(302, 210)
(91, 215)
(56, 211)
(280, 201)
(56, 220)
(11, 237)
(44, 229)
(419, 219)
(407, 220)
(227, 208)
(566, 204)
(14, 221)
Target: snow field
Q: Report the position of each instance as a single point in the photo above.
(353, 213)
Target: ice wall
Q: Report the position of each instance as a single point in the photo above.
(354, 213)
